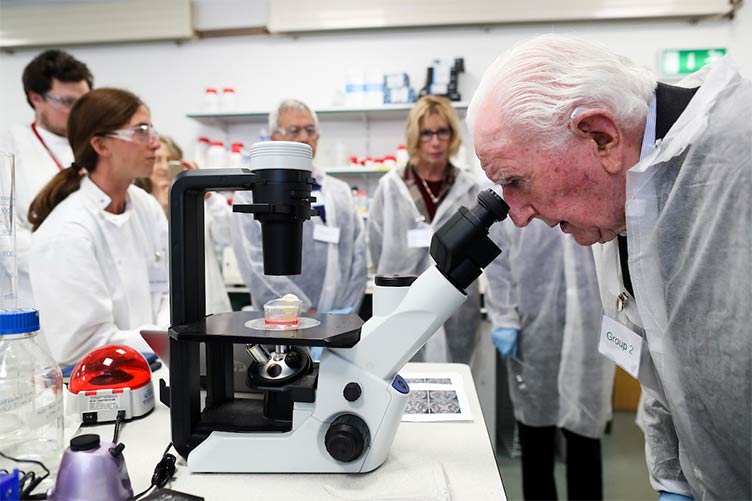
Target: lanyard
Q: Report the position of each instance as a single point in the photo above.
(52, 155)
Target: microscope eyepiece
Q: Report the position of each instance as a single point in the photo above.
(461, 247)
(493, 205)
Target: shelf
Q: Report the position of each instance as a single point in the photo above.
(349, 170)
(357, 170)
(384, 112)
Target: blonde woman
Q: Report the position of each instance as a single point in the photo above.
(410, 203)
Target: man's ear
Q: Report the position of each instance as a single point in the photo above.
(101, 146)
(599, 126)
(36, 99)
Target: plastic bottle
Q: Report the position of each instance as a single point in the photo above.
(216, 155)
(199, 154)
(31, 394)
(211, 101)
(227, 103)
(236, 155)
(402, 156)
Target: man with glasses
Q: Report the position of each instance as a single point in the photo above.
(53, 81)
(333, 245)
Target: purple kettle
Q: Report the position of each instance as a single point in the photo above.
(90, 471)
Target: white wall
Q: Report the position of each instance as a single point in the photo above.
(170, 78)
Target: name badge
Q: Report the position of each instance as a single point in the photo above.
(159, 277)
(324, 233)
(621, 345)
(419, 237)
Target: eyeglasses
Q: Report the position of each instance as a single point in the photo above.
(295, 130)
(142, 134)
(443, 134)
(60, 102)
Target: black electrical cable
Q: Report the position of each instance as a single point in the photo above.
(163, 472)
(118, 421)
(35, 481)
(142, 493)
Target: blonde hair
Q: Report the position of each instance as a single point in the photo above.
(431, 105)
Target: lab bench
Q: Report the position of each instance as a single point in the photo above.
(436, 460)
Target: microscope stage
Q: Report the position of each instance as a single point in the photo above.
(334, 331)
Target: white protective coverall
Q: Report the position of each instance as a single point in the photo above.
(333, 274)
(35, 167)
(100, 278)
(391, 215)
(217, 218)
(544, 285)
(688, 230)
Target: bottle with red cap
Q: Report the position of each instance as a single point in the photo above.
(402, 157)
(227, 103)
(216, 155)
(31, 393)
(211, 100)
(236, 155)
(199, 154)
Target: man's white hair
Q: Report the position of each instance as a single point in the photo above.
(537, 85)
(289, 104)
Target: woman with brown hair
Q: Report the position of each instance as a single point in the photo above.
(410, 203)
(99, 249)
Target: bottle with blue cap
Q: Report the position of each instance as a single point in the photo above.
(31, 394)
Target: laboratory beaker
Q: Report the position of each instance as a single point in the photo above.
(8, 270)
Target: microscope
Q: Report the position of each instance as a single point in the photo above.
(338, 415)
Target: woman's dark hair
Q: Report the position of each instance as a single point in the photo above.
(54, 63)
(95, 113)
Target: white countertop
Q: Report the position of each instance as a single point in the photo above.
(428, 461)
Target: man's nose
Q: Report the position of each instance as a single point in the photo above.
(520, 215)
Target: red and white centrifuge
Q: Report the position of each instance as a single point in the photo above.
(110, 379)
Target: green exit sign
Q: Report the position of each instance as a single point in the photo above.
(684, 62)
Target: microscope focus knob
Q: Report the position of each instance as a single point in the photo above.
(347, 438)
(352, 392)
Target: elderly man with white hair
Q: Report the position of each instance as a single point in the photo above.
(659, 177)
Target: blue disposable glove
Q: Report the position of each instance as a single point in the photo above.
(341, 311)
(316, 352)
(505, 340)
(670, 496)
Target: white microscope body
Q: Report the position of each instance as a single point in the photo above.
(404, 318)
(339, 416)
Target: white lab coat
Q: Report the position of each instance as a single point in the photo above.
(216, 235)
(99, 278)
(544, 285)
(333, 274)
(688, 231)
(391, 215)
(34, 169)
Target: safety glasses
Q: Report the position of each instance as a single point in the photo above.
(296, 131)
(60, 102)
(443, 134)
(141, 134)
